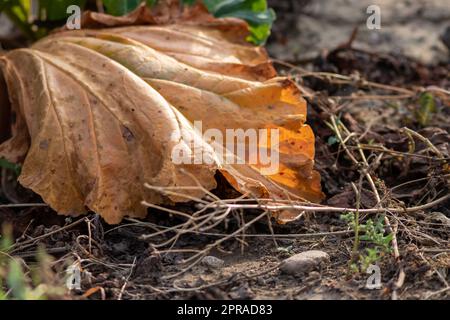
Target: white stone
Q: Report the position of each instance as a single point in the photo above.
(213, 262)
(304, 262)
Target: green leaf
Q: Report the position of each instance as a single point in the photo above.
(259, 17)
(211, 4)
(226, 7)
(11, 166)
(121, 7)
(365, 238)
(188, 2)
(259, 34)
(387, 241)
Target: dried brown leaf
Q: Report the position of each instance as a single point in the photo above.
(99, 112)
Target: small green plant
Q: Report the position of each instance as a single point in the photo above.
(377, 244)
(332, 140)
(38, 282)
(427, 107)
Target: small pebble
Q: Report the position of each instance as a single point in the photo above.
(304, 262)
(213, 262)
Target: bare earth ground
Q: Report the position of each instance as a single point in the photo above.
(383, 75)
